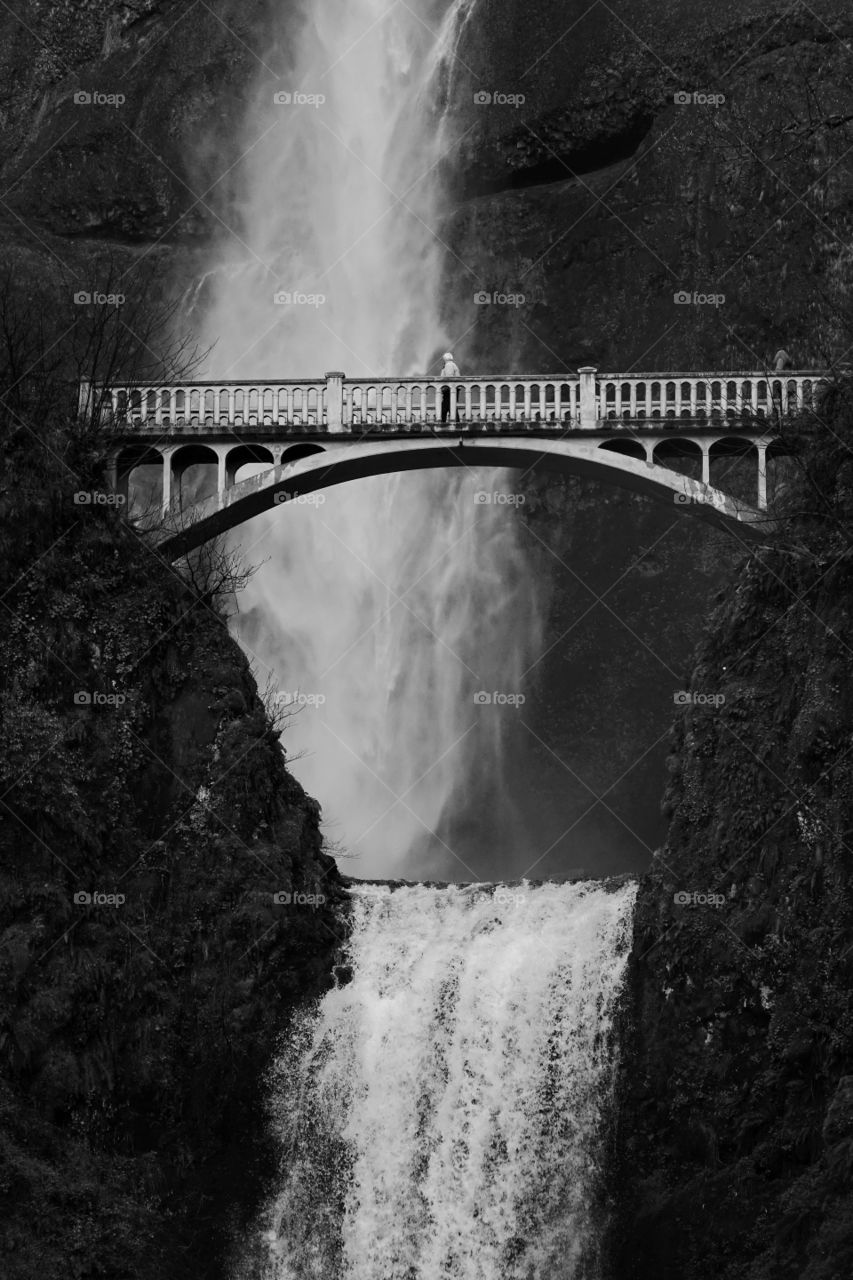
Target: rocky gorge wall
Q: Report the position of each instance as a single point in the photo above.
(597, 200)
(165, 899)
(736, 1130)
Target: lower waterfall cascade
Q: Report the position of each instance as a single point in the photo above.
(442, 1111)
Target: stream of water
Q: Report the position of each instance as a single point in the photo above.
(443, 1114)
(383, 607)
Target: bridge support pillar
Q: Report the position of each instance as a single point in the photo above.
(335, 402)
(706, 464)
(762, 476)
(86, 400)
(587, 400)
(167, 480)
(221, 478)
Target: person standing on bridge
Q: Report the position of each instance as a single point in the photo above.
(782, 360)
(450, 369)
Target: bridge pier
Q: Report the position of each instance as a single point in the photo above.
(761, 447)
(587, 397)
(335, 401)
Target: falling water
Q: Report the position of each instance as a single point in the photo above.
(442, 1114)
(385, 608)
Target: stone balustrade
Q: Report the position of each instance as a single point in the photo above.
(586, 400)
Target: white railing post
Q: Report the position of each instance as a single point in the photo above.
(587, 397)
(335, 403)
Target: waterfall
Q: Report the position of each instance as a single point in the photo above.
(442, 1113)
(384, 606)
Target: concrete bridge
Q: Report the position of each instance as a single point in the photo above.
(661, 434)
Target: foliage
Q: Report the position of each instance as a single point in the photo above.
(136, 761)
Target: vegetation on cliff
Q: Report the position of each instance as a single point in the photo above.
(737, 1115)
(147, 823)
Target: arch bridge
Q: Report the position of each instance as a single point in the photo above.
(669, 435)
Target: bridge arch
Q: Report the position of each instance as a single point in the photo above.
(627, 448)
(138, 477)
(682, 455)
(297, 451)
(200, 459)
(244, 455)
(360, 458)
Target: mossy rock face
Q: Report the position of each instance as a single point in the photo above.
(734, 1150)
(152, 843)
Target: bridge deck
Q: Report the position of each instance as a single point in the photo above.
(750, 428)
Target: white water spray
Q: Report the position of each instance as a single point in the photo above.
(385, 609)
(442, 1114)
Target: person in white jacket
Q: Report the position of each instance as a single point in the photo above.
(450, 369)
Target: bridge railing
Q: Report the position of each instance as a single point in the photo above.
(585, 400)
(216, 404)
(375, 402)
(705, 397)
